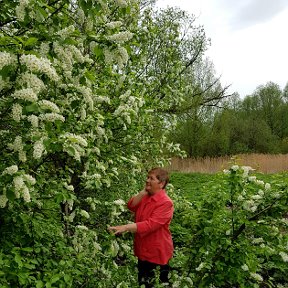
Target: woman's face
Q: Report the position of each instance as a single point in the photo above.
(153, 185)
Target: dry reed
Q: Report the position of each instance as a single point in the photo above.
(265, 163)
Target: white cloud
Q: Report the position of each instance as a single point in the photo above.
(249, 43)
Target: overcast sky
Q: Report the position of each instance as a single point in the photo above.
(249, 39)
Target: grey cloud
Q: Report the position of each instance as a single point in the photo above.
(251, 12)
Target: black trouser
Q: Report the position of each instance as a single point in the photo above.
(146, 273)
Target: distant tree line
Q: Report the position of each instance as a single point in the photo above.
(256, 124)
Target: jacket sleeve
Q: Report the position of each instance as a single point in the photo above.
(132, 208)
(160, 216)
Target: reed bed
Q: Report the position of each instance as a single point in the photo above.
(264, 163)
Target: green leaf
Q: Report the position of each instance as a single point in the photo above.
(32, 108)
(10, 195)
(39, 284)
(31, 41)
(55, 278)
(98, 51)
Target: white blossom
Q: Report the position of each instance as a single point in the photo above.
(18, 185)
(200, 267)
(250, 205)
(51, 117)
(29, 179)
(257, 241)
(120, 37)
(66, 31)
(31, 81)
(26, 94)
(87, 95)
(73, 138)
(82, 227)
(3, 200)
(260, 182)
(121, 3)
(256, 276)
(252, 178)
(85, 214)
(39, 65)
(284, 256)
(33, 119)
(10, 170)
(38, 149)
(46, 104)
(69, 187)
(245, 267)
(26, 194)
(256, 197)
(267, 186)
(119, 202)
(7, 59)
(113, 25)
(226, 172)
(16, 112)
(234, 167)
(246, 170)
(22, 156)
(121, 56)
(20, 10)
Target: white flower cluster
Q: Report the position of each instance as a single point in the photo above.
(46, 104)
(245, 267)
(250, 205)
(82, 227)
(121, 56)
(21, 9)
(257, 240)
(84, 214)
(76, 142)
(26, 94)
(38, 149)
(73, 138)
(66, 31)
(33, 119)
(246, 170)
(3, 200)
(21, 189)
(17, 146)
(52, 117)
(16, 112)
(284, 256)
(10, 170)
(119, 202)
(39, 65)
(65, 58)
(121, 3)
(44, 49)
(129, 107)
(68, 187)
(87, 95)
(201, 266)
(114, 24)
(120, 37)
(7, 59)
(256, 276)
(31, 81)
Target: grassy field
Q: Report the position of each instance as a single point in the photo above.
(261, 162)
(196, 184)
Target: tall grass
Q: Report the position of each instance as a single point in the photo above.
(265, 163)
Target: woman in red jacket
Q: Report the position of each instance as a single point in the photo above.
(152, 240)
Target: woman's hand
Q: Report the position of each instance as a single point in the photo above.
(117, 229)
(123, 228)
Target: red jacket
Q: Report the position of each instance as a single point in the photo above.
(153, 241)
